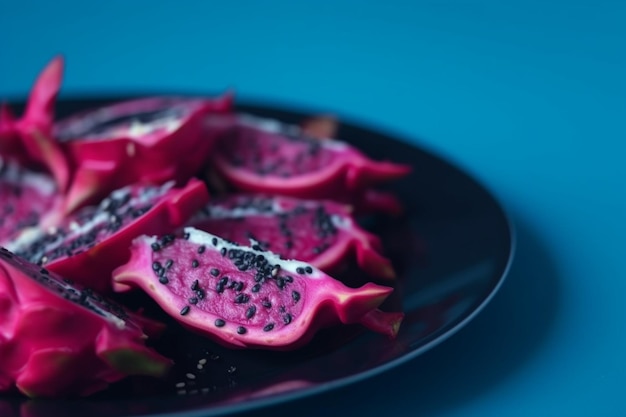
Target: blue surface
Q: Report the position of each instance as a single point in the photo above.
(530, 97)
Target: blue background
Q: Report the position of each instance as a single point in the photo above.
(528, 96)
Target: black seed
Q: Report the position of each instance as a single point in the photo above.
(169, 263)
(288, 278)
(219, 323)
(214, 241)
(308, 270)
(241, 330)
(268, 327)
(156, 265)
(242, 299)
(215, 272)
(167, 239)
(266, 303)
(287, 318)
(257, 247)
(184, 311)
(194, 285)
(200, 294)
(256, 288)
(250, 312)
(300, 270)
(194, 263)
(219, 288)
(295, 295)
(163, 280)
(186, 236)
(280, 282)
(155, 246)
(193, 300)
(238, 286)
(223, 251)
(44, 271)
(223, 281)
(201, 248)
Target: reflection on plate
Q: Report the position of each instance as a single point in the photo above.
(451, 249)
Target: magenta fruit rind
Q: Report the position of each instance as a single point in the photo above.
(127, 213)
(149, 141)
(240, 316)
(60, 339)
(335, 169)
(320, 232)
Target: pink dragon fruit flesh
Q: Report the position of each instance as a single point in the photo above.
(89, 244)
(60, 339)
(149, 140)
(320, 232)
(26, 196)
(29, 138)
(267, 156)
(245, 297)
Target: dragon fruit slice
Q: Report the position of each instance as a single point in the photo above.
(26, 196)
(241, 296)
(150, 141)
(29, 138)
(266, 156)
(88, 245)
(60, 339)
(320, 232)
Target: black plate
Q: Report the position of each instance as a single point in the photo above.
(452, 251)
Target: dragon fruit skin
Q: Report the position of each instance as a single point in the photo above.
(320, 232)
(29, 138)
(26, 196)
(111, 147)
(96, 239)
(59, 339)
(266, 156)
(241, 297)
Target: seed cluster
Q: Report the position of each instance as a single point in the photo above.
(25, 196)
(93, 225)
(313, 219)
(286, 154)
(257, 271)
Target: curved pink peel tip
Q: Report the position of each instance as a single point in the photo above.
(40, 107)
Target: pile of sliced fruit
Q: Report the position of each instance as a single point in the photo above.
(231, 223)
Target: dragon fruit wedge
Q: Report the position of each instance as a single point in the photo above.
(29, 139)
(267, 156)
(149, 141)
(26, 196)
(320, 232)
(89, 244)
(59, 339)
(244, 297)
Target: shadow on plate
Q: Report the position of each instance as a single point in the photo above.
(490, 349)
